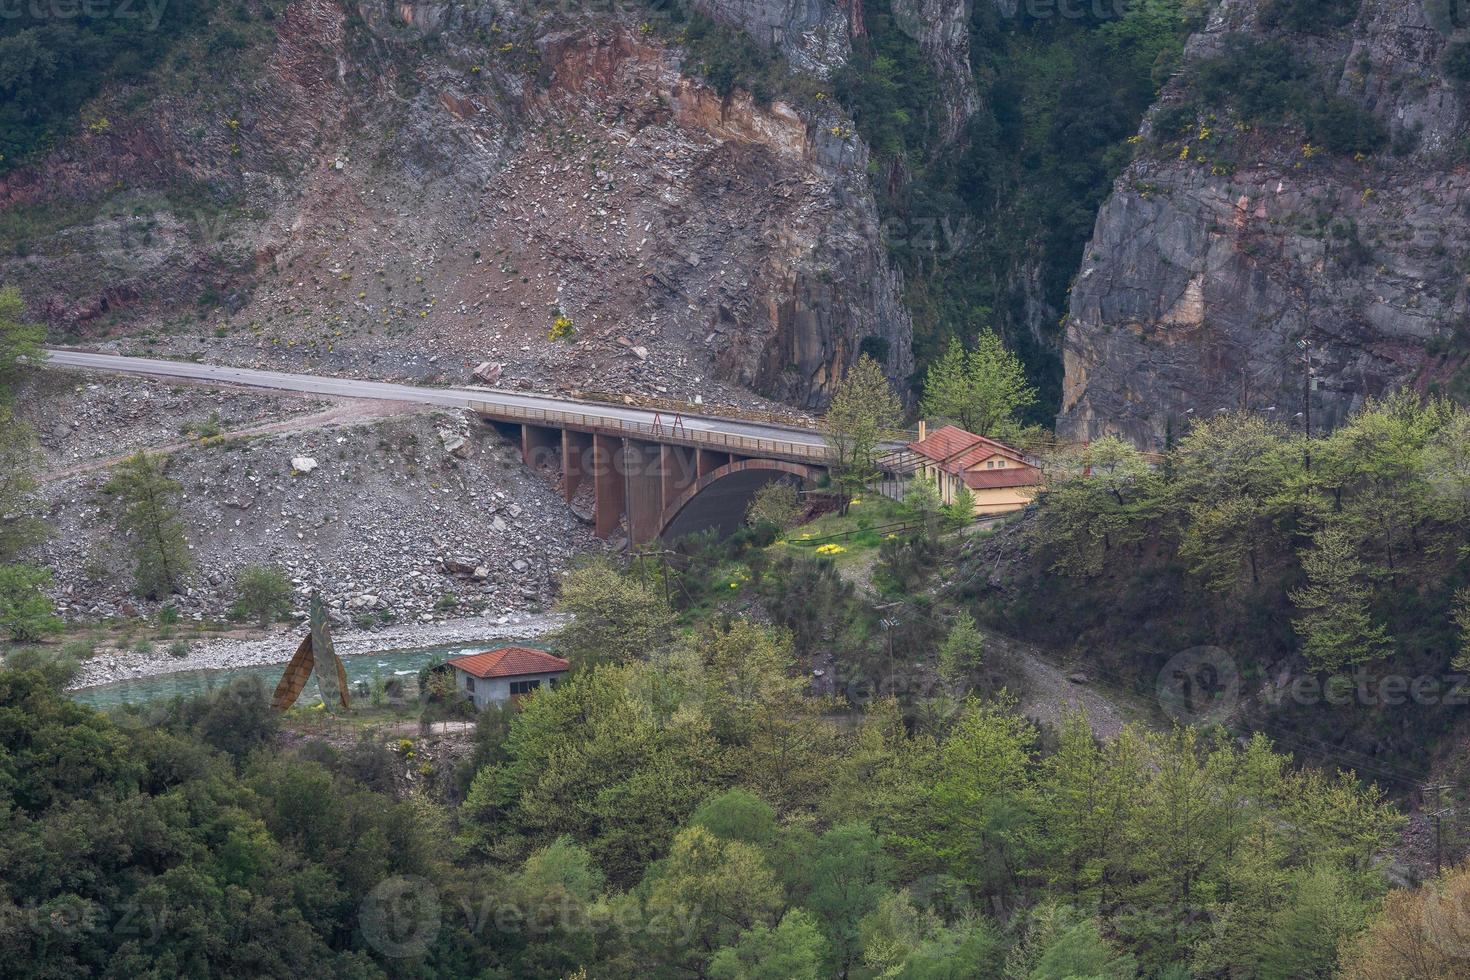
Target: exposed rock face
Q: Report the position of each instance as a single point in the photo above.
(942, 28)
(409, 189)
(815, 36)
(1200, 280)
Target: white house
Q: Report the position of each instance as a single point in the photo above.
(506, 674)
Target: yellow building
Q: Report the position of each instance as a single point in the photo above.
(998, 476)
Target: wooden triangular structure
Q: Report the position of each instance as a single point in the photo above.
(332, 682)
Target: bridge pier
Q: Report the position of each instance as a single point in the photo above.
(576, 459)
(644, 475)
(706, 461)
(537, 443)
(678, 465)
(609, 483)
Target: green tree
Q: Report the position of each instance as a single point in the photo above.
(1098, 498)
(716, 890)
(961, 652)
(1079, 950)
(921, 504)
(20, 340)
(1337, 627)
(863, 410)
(792, 951)
(263, 594)
(960, 511)
(19, 527)
(1302, 941)
(150, 519)
(843, 880)
(1460, 612)
(25, 611)
(776, 504)
(616, 618)
(984, 389)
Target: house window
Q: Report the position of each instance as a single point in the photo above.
(523, 687)
(469, 683)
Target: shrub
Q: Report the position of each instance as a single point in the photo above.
(25, 610)
(776, 504)
(1343, 126)
(1456, 62)
(1309, 16)
(264, 594)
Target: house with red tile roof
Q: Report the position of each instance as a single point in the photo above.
(506, 674)
(998, 477)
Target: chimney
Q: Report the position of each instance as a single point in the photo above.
(923, 428)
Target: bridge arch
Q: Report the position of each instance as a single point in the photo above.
(719, 498)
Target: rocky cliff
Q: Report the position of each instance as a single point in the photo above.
(1232, 241)
(401, 189)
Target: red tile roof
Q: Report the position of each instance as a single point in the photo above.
(510, 662)
(955, 451)
(1011, 476)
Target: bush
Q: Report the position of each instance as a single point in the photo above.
(25, 610)
(1264, 81)
(776, 504)
(1343, 126)
(264, 594)
(1456, 62)
(1309, 16)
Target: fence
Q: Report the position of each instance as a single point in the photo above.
(659, 432)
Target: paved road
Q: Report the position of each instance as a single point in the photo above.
(487, 400)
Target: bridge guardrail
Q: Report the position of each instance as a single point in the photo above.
(666, 433)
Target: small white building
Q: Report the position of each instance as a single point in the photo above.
(506, 674)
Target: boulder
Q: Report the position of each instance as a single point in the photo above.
(301, 465)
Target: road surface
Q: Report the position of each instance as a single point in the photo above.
(804, 442)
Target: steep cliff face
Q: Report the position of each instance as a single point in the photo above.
(400, 188)
(1231, 243)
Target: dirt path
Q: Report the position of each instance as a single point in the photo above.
(1050, 695)
(344, 412)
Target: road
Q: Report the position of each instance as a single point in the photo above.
(493, 402)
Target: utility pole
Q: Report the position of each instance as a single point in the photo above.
(1437, 814)
(1305, 345)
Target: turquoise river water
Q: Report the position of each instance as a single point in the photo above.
(360, 667)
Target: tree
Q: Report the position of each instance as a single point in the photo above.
(1460, 612)
(961, 510)
(921, 503)
(25, 610)
(846, 876)
(715, 889)
(1303, 938)
(984, 389)
(150, 519)
(264, 594)
(1079, 950)
(1336, 625)
(1421, 933)
(19, 528)
(616, 618)
(1098, 498)
(793, 951)
(863, 409)
(960, 654)
(19, 340)
(777, 503)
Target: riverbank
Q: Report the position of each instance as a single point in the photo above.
(278, 646)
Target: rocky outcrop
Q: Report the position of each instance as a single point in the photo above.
(815, 36)
(942, 29)
(407, 190)
(1222, 251)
